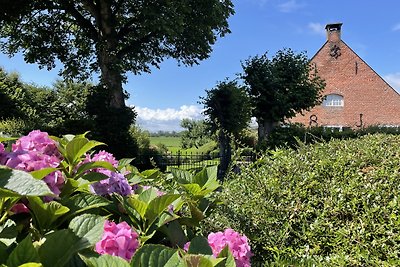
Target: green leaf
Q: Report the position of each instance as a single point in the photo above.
(73, 148)
(148, 195)
(4, 139)
(31, 264)
(46, 213)
(154, 256)
(93, 165)
(89, 228)
(200, 260)
(25, 252)
(40, 174)
(22, 183)
(151, 174)
(8, 232)
(83, 202)
(193, 189)
(229, 260)
(59, 248)
(199, 245)
(106, 261)
(86, 148)
(159, 205)
(181, 175)
(123, 162)
(94, 176)
(4, 253)
(138, 205)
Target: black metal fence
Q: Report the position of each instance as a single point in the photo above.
(188, 160)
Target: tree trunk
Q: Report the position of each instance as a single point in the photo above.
(111, 74)
(264, 130)
(111, 79)
(225, 151)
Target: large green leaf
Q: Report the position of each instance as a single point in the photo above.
(22, 183)
(199, 245)
(151, 174)
(154, 256)
(40, 174)
(139, 206)
(93, 165)
(59, 248)
(25, 252)
(73, 147)
(85, 201)
(148, 195)
(106, 261)
(192, 189)
(8, 232)
(200, 260)
(46, 213)
(159, 205)
(182, 176)
(229, 260)
(86, 148)
(89, 228)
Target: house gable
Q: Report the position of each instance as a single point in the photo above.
(366, 98)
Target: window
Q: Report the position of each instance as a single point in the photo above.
(333, 100)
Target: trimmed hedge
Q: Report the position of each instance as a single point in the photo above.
(329, 204)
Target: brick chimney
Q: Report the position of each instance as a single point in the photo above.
(333, 32)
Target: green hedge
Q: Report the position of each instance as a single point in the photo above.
(329, 204)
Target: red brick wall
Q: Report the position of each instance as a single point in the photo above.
(364, 91)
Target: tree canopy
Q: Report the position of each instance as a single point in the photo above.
(111, 37)
(280, 87)
(228, 112)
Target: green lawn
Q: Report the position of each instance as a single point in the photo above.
(174, 144)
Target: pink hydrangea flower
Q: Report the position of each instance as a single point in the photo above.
(35, 152)
(37, 141)
(237, 244)
(3, 155)
(118, 240)
(102, 156)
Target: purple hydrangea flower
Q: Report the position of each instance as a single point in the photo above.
(116, 183)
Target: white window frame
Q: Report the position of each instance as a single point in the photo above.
(333, 100)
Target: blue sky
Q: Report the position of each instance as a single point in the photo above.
(164, 97)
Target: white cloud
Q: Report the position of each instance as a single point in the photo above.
(317, 28)
(396, 27)
(168, 119)
(394, 80)
(290, 6)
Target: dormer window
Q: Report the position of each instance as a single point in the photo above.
(333, 100)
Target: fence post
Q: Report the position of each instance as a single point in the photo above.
(179, 159)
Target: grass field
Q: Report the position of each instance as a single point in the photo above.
(174, 144)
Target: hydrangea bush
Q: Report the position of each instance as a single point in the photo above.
(58, 193)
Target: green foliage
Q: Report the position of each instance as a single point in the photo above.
(228, 110)
(196, 133)
(63, 230)
(329, 204)
(280, 87)
(227, 107)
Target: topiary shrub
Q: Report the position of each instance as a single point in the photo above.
(329, 204)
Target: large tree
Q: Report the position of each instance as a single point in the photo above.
(280, 87)
(228, 112)
(111, 37)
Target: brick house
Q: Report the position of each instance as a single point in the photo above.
(355, 95)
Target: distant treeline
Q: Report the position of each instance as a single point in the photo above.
(166, 133)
